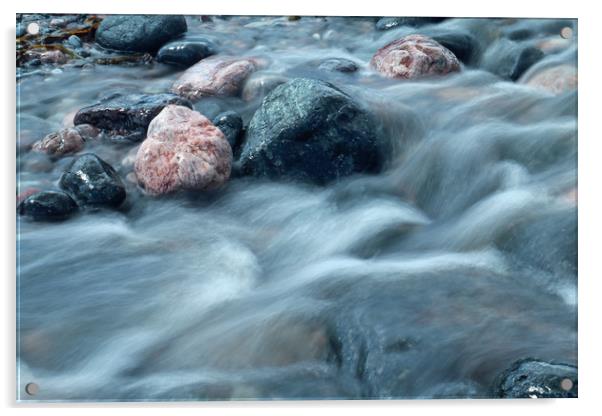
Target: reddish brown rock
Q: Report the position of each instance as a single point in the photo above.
(556, 79)
(183, 150)
(53, 57)
(414, 56)
(62, 142)
(214, 76)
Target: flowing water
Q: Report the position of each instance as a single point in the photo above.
(425, 280)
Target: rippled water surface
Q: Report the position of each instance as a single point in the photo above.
(425, 280)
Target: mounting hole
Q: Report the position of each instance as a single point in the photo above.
(33, 28)
(566, 384)
(32, 389)
(566, 33)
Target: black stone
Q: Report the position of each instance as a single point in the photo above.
(185, 53)
(310, 130)
(93, 182)
(127, 116)
(48, 206)
(230, 123)
(532, 378)
(514, 61)
(338, 65)
(463, 45)
(525, 60)
(139, 33)
(386, 23)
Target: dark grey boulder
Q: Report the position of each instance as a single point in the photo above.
(230, 123)
(386, 23)
(48, 206)
(139, 33)
(338, 65)
(463, 45)
(185, 53)
(310, 130)
(126, 117)
(532, 378)
(93, 182)
(509, 60)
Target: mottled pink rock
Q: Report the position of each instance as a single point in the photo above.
(214, 76)
(556, 79)
(62, 142)
(414, 56)
(183, 150)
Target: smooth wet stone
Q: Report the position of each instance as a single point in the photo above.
(537, 379)
(515, 62)
(53, 57)
(463, 45)
(47, 206)
(338, 65)
(309, 130)
(414, 56)
(387, 23)
(214, 76)
(127, 116)
(62, 142)
(555, 79)
(74, 41)
(185, 53)
(93, 182)
(230, 123)
(139, 33)
(260, 84)
(183, 150)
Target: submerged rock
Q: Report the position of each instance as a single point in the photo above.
(214, 76)
(537, 379)
(414, 56)
(463, 45)
(93, 182)
(62, 142)
(260, 84)
(338, 65)
(47, 205)
(309, 130)
(386, 23)
(183, 151)
(139, 33)
(127, 117)
(515, 62)
(555, 79)
(230, 123)
(185, 53)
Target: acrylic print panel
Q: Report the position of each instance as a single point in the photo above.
(295, 207)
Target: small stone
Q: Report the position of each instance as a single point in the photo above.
(214, 76)
(387, 23)
(338, 65)
(183, 150)
(93, 182)
(47, 206)
(185, 53)
(260, 84)
(414, 56)
(537, 379)
(53, 57)
(64, 142)
(74, 41)
(230, 123)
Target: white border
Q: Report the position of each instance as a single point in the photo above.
(590, 156)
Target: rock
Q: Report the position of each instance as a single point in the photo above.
(139, 33)
(414, 56)
(464, 46)
(63, 142)
(87, 131)
(230, 123)
(214, 76)
(53, 57)
(386, 23)
(338, 65)
(185, 53)
(74, 41)
(515, 62)
(537, 379)
(26, 193)
(93, 182)
(555, 79)
(309, 130)
(47, 205)
(127, 116)
(183, 150)
(260, 84)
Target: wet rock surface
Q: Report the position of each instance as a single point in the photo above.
(338, 65)
(139, 33)
(126, 117)
(530, 378)
(60, 143)
(183, 150)
(414, 56)
(310, 130)
(47, 206)
(230, 123)
(93, 183)
(555, 79)
(388, 23)
(185, 53)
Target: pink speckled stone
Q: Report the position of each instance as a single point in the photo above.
(556, 79)
(414, 56)
(214, 76)
(183, 150)
(62, 142)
